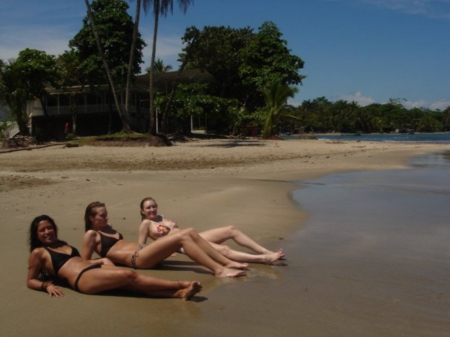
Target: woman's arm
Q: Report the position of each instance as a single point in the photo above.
(144, 232)
(103, 261)
(35, 264)
(88, 244)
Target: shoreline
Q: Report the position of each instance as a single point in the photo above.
(200, 184)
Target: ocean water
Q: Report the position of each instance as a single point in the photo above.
(389, 137)
(374, 257)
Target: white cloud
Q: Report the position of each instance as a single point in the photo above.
(440, 105)
(415, 104)
(428, 8)
(356, 97)
(421, 103)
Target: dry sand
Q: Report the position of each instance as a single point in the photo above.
(200, 184)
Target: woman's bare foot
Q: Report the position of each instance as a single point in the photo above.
(271, 257)
(188, 289)
(227, 272)
(236, 265)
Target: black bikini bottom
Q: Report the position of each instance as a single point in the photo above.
(92, 266)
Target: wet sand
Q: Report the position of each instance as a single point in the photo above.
(210, 184)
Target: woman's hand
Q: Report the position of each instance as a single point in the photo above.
(104, 261)
(54, 291)
(169, 223)
(107, 262)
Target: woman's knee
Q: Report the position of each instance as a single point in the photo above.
(129, 275)
(191, 232)
(223, 249)
(232, 230)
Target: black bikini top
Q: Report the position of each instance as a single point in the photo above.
(107, 242)
(59, 259)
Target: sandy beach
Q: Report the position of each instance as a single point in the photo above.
(199, 183)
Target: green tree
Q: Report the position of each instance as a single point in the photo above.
(218, 51)
(13, 94)
(159, 7)
(27, 78)
(276, 95)
(104, 42)
(446, 119)
(267, 59)
(38, 72)
(241, 61)
(160, 67)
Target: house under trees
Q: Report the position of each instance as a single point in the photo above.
(87, 111)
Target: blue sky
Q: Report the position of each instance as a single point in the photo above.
(367, 51)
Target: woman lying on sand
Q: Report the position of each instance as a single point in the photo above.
(156, 227)
(106, 242)
(52, 257)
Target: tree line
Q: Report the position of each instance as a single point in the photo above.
(254, 71)
(321, 115)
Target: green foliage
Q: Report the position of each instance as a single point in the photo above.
(163, 7)
(276, 95)
(69, 68)
(160, 67)
(321, 115)
(242, 62)
(266, 60)
(115, 29)
(193, 100)
(26, 78)
(160, 7)
(218, 51)
(38, 72)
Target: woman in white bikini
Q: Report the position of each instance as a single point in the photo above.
(155, 226)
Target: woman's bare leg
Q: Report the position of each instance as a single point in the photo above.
(235, 255)
(220, 235)
(201, 253)
(109, 278)
(213, 253)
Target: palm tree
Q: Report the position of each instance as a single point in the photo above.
(133, 47)
(125, 126)
(276, 96)
(160, 7)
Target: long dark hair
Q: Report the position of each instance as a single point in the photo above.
(33, 240)
(89, 212)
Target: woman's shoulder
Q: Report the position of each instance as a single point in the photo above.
(145, 223)
(91, 233)
(37, 253)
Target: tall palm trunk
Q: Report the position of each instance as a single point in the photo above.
(165, 116)
(131, 62)
(125, 126)
(152, 125)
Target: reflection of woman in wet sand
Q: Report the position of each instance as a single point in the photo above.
(101, 238)
(156, 226)
(52, 257)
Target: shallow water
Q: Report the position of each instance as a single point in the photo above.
(372, 259)
(390, 137)
(377, 242)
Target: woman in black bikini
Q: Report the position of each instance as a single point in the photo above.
(101, 238)
(53, 258)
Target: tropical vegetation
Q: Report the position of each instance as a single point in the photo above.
(254, 76)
